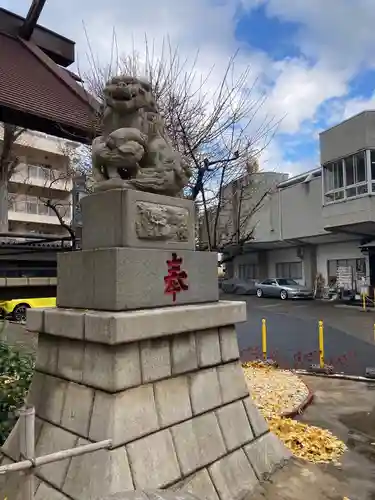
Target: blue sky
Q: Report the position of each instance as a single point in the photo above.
(314, 59)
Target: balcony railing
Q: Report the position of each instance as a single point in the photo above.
(42, 176)
(33, 205)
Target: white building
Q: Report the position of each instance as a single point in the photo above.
(42, 174)
(320, 221)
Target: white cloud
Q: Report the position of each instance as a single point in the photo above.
(336, 39)
(356, 105)
(273, 160)
(300, 89)
(338, 31)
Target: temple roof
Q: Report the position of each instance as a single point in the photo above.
(38, 94)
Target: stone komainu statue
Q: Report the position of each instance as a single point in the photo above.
(134, 150)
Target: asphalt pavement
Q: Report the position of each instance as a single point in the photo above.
(292, 334)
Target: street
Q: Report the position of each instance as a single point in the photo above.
(292, 333)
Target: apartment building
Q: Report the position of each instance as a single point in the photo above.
(42, 174)
(322, 221)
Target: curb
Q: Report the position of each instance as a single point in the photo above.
(338, 376)
(326, 370)
(302, 407)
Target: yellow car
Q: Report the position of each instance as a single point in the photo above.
(17, 308)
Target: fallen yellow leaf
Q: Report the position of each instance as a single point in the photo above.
(276, 392)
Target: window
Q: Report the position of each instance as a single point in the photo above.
(286, 282)
(248, 271)
(372, 162)
(349, 170)
(21, 268)
(334, 181)
(334, 176)
(356, 174)
(34, 205)
(291, 270)
(42, 209)
(346, 178)
(33, 171)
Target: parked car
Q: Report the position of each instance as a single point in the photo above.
(285, 288)
(17, 308)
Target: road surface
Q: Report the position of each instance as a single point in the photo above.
(292, 334)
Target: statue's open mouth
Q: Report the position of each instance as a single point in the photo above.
(124, 174)
(124, 94)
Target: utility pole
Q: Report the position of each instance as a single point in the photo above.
(31, 19)
(199, 188)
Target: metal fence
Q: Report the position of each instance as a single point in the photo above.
(30, 462)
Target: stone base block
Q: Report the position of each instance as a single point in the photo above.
(120, 279)
(115, 368)
(174, 404)
(197, 462)
(115, 328)
(129, 218)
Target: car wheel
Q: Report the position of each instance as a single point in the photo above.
(19, 312)
(259, 293)
(283, 295)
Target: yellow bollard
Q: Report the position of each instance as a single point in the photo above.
(321, 344)
(264, 339)
(364, 302)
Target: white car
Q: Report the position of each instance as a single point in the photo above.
(285, 288)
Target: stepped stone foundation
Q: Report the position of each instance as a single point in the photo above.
(163, 382)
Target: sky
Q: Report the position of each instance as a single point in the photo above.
(314, 60)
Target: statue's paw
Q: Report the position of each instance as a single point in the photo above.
(132, 151)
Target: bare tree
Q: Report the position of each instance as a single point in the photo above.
(217, 127)
(8, 163)
(78, 169)
(231, 219)
(78, 166)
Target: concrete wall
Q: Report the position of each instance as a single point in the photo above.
(267, 260)
(248, 258)
(314, 259)
(348, 137)
(289, 213)
(283, 255)
(301, 210)
(309, 265)
(350, 211)
(292, 212)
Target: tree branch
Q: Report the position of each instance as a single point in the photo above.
(66, 226)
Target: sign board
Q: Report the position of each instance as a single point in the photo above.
(344, 277)
(78, 192)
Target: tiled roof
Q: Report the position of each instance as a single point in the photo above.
(32, 83)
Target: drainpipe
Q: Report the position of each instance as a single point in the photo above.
(280, 216)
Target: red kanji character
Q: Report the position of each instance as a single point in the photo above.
(175, 279)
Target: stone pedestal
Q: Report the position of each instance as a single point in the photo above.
(163, 383)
